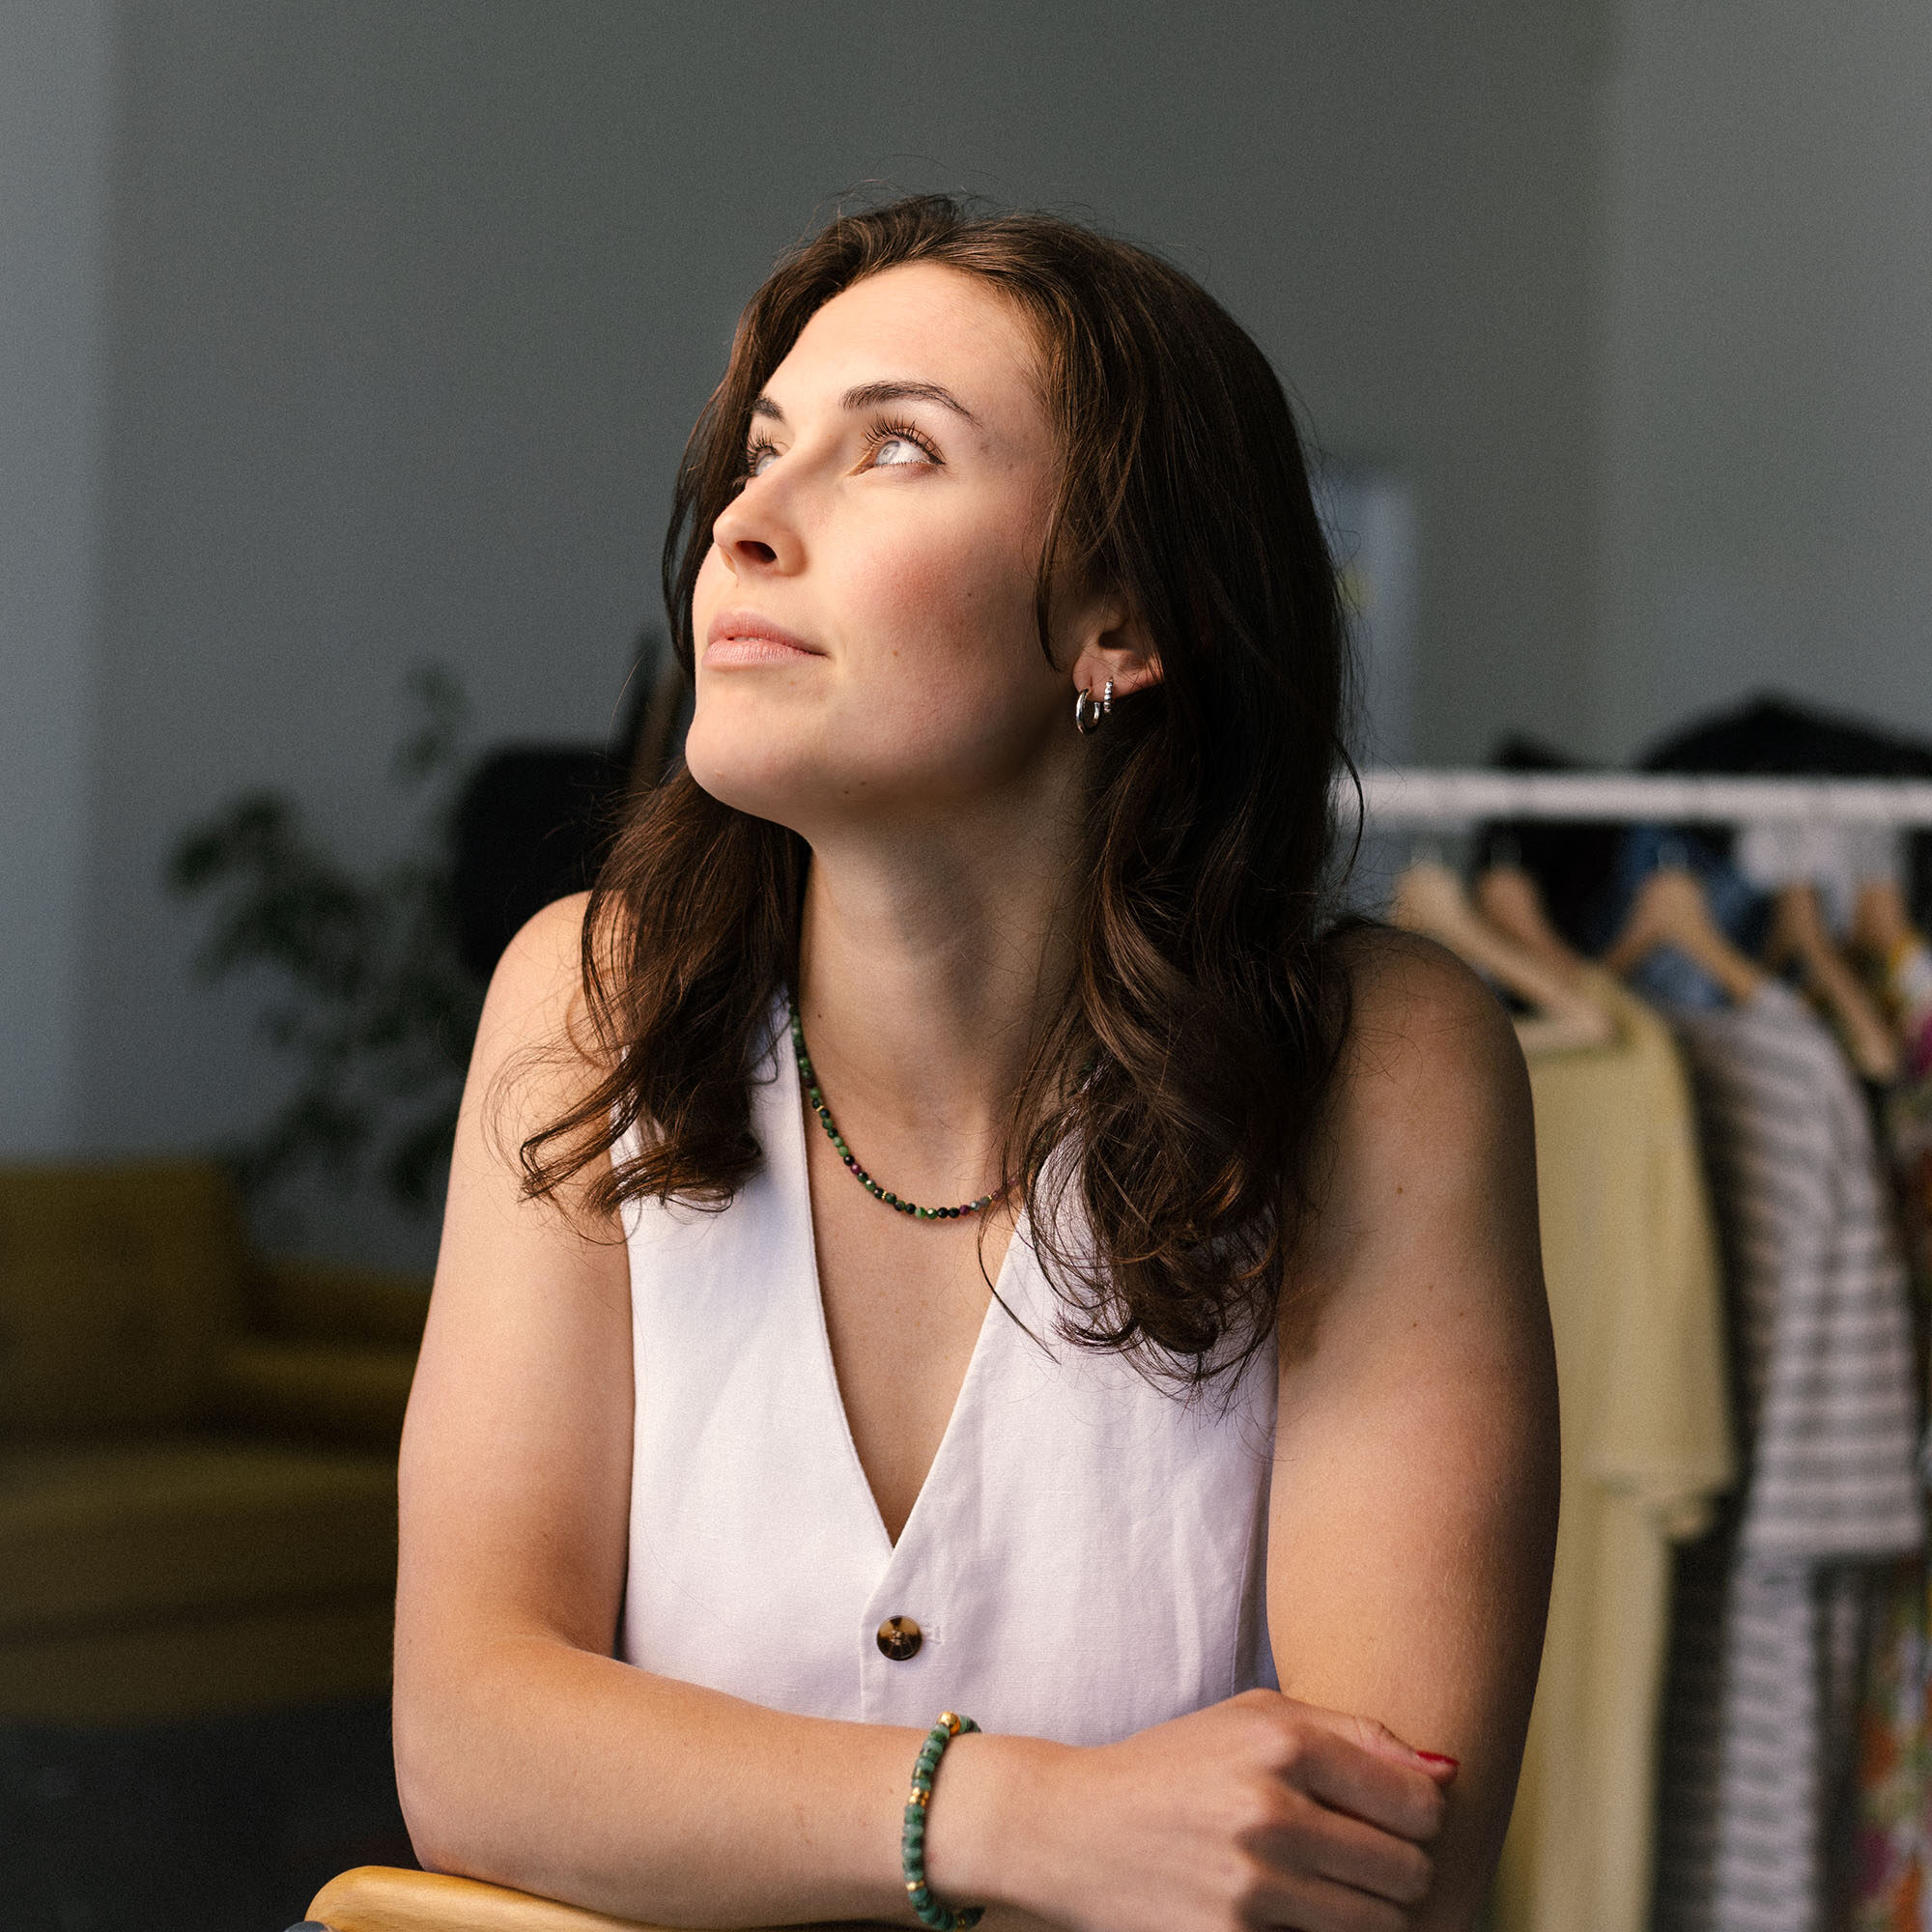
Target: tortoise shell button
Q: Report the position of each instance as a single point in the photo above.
(900, 1637)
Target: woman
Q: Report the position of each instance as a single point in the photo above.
(1195, 1434)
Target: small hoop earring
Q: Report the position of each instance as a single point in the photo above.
(1089, 710)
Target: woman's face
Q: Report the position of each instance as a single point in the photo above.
(864, 620)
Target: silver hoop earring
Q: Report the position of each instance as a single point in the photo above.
(1087, 711)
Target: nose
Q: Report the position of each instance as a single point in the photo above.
(754, 534)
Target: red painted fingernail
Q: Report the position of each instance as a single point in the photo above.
(1436, 1758)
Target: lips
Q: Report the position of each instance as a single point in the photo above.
(741, 637)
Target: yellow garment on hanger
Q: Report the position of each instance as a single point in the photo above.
(1630, 1256)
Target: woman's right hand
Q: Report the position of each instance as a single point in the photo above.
(1258, 1811)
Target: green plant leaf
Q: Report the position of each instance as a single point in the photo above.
(373, 1004)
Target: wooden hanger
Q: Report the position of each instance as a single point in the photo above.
(1670, 909)
(1800, 936)
(1430, 899)
(1507, 897)
(1882, 926)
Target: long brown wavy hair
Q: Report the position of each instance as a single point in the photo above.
(1187, 1063)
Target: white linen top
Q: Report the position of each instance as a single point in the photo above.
(1088, 1555)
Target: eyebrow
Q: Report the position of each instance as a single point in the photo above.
(869, 395)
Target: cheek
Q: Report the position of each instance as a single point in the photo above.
(953, 612)
(950, 691)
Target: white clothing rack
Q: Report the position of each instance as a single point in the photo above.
(1414, 797)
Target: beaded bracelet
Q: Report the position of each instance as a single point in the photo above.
(912, 1842)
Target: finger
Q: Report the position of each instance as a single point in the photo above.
(1306, 1904)
(1382, 1742)
(1379, 1788)
(1311, 1838)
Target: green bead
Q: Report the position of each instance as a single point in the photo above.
(930, 1911)
(816, 1099)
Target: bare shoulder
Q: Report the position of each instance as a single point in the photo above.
(1431, 1083)
(540, 976)
(1429, 1147)
(555, 935)
(1424, 1030)
(534, 1055)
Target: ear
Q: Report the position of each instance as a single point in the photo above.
(1115, 647)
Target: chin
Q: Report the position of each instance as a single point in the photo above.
(813, 770)
(754, 773)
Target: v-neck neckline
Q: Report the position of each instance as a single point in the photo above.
(792, 1100)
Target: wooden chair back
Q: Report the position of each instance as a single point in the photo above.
(377, 1898)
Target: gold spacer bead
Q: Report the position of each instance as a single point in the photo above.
(919, 1797)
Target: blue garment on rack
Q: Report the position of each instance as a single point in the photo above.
(1667, 977)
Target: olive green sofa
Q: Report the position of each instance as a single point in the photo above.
(197, 1454)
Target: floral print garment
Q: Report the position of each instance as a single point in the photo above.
(1907, 992)
(1893, 1803)
(1895, 1759)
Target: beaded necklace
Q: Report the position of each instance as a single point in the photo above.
(809, 1081)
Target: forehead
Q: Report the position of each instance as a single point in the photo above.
(920, 322)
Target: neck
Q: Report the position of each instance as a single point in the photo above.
(931, 960)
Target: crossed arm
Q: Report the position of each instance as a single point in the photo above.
(1412, 1524)
(1411, 1527)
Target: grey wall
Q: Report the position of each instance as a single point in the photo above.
(1767, 361)
(340, 336)
(54, 119)
(411, 303)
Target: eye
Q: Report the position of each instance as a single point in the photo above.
(756, 452)
(897, 445)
